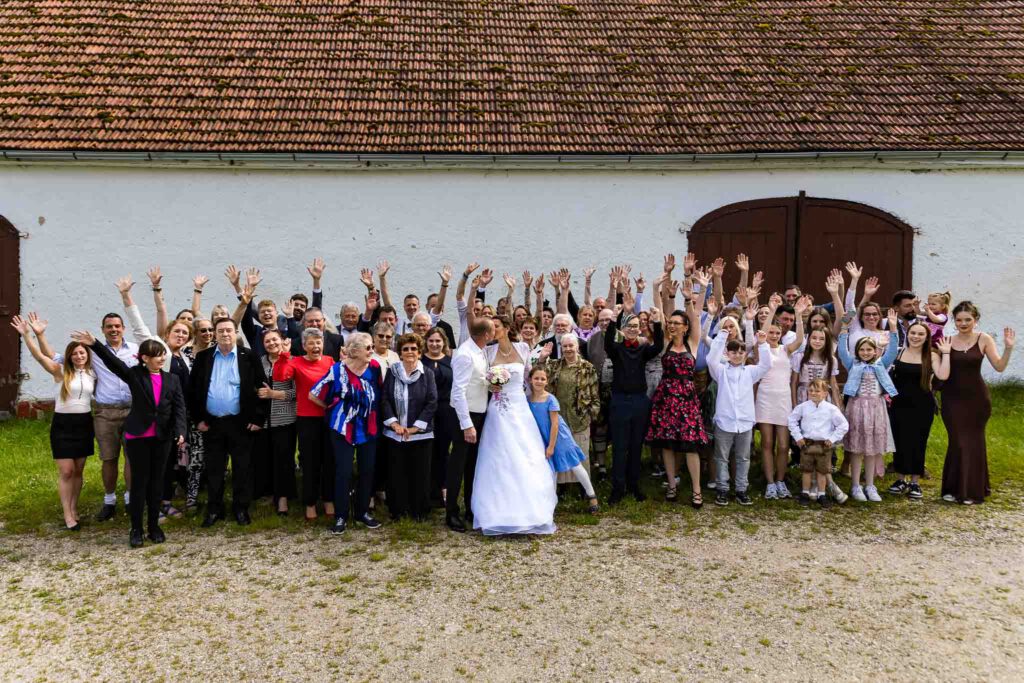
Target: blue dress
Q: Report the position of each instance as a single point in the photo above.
(567, 453)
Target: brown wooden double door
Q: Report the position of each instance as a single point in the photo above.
(10, 302)
(800, 239)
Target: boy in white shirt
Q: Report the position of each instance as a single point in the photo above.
(734, 409)
(816, 425)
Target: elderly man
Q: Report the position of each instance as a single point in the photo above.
(333, 344)
(561, 325)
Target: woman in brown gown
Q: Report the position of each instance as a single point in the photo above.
(966, 406)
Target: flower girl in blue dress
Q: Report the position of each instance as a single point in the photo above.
(562, 452)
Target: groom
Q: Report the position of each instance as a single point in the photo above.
(469, 399)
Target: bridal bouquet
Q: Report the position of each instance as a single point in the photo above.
(498, 377)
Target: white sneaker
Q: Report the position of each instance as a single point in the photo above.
(857, 493)
(872, 494)
(770, 493)
(836, 493)
(783, 492)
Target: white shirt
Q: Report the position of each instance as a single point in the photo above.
(80, 390)
(822, 422)
(405, 326)
(734, 406)
(469, 389)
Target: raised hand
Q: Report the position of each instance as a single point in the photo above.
(252, 278)
(233, 275)
(871, 287)
(83, 337)
(751, 312)
(475, 284)
(775, 300)
(762, 337)
(538, 284)
(1009, 337)
(628, 301)
(372, 301)
(469, 269)
(753, 293)
(836, 274)
(831, 285)
(554, 279)
(945, 345)
(668, 263)
(712, 306)
(527, 279)
(742, 262)
(588, 273)
(154, 276)
(247, 293)
(486, 275)
(38, 326)
(316, 270)
(564, 276)
(702, 276)
(288, 309)
(20, 325)
(655, 313)
(546, 351)
(641, 283)
(802, 305)
(382, 268)
(124, 284)
(853, 270)
(510, 281)
(718, 267)
(758, 280)
(445, 274)
(199, 281)
(689, 263)
(366, 277)
(893, 320)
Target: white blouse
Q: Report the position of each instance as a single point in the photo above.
(79, 399)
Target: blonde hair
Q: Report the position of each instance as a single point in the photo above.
(69, 369)
(360, 340)
(818, 384)
(945, 297)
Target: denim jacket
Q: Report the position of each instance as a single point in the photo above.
(856, 367)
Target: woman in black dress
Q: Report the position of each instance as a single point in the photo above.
(676, 426)
(446, 423)
(966, 406)
(913, 408)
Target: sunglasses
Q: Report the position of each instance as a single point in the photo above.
(205, 330)
(385, 336)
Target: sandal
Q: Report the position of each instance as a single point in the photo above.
(593, 509)
(168, 510)
(697, 500)
(671, 495)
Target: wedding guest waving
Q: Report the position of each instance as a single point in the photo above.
(446, 422)
(71, 431)
(966, 405)
(408, 405)
(225, 381)
(155, 422)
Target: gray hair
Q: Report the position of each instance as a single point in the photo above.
(383, 327)
(358, 339)
(349, 306)
(562, 317)
(426, 315)
(311, 332)
(571, 338)
(311, 309)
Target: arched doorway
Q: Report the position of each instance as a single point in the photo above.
(10, 303)
(800, 239)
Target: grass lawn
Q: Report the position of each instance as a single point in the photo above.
(29, 503)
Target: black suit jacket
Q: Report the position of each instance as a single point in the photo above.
(168, 414)
(253, 409)
(422, 397)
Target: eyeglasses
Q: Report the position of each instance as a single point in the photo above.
(411, 349)
(205, 330)
(385, 336)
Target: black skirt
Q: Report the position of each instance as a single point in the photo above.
(71, 435)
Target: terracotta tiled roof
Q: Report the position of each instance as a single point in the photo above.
(511, 76)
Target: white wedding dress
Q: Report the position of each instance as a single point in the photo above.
(514, 486)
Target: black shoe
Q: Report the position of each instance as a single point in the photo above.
(899, 487)
(722, 498)
(211, 519)
(157, 535)
(339, 526)
(616, 497)
(106, 512)
(638, 495)
(282, 513)
(804, 499)
(135, 538)
(824, 501)
(455, 523)
(743, 499)
(368, 521)
(914, 492)
(243, 518)
(76, 527)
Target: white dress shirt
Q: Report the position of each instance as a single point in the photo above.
(734, 406)
(821, 422)
(469, 388)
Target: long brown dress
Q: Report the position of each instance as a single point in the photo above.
(966, 407)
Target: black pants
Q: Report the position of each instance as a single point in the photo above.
(261, 463)
(172, 473)
(409, 478)
(317, 460)
(462, 466)
(282, 460)
(628, 414)
(147, 458)
(343, 455)
(226, 437)
(446, 424)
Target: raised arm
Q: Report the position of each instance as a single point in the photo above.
(446, 275)
(851, 294)
(588, 276)
(742, 265)
(510, 284)
(560, 281)
(717, 271)
(460, 291)
(47, 362)
(527, 288)
(239, 314)
(693, 315)
(382, 274)
(139, 330)
(871, 287)
(113, 363)
(998, 362)
(155, 278)
(538, 291)
(832, 286)
(940, 358)
(198, 282)
(802, 305)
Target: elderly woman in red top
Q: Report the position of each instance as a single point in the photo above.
(315, 453)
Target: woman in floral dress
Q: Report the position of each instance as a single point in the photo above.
(676, 426)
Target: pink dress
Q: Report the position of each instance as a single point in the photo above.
(774, 399)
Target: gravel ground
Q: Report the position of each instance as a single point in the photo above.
(690, 596)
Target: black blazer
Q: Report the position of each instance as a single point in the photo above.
(169, 413)
(332, 345)
(250, 375)
(422, 399)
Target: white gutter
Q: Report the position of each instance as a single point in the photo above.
(1009, 159)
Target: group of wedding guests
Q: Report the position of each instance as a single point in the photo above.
(391, 408)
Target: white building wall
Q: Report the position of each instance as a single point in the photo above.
(89, 225)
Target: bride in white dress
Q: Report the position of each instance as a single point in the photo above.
(514, 486)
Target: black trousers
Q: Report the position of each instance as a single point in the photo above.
(261, 463)
(409, 478)
(462, 466)
(628, 415)
(317, 460)
(282, 460)
(226, 437)
(344, 453)
(147, 458)
(446, 425)
(172, 473)
(381, 460)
